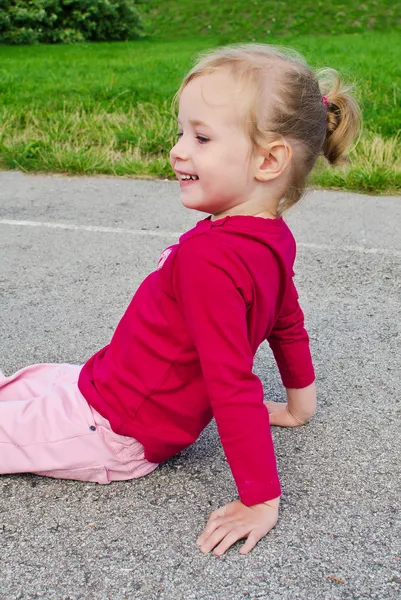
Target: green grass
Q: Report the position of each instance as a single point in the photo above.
(247, 20)
(105, 108)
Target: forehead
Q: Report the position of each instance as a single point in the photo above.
(213, 98)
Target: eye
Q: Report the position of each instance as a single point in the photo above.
(179, 134)
(201, 139)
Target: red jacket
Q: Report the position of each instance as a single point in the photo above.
(183, 351)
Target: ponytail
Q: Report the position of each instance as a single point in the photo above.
(343, 116)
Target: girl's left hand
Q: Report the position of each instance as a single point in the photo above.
(236, 521)
(281, 416)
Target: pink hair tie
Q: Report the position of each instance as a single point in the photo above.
(325, 101)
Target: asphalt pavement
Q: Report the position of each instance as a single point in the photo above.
(73, 251)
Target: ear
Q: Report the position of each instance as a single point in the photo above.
(272, 161)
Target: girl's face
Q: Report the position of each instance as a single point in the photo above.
(213, 145)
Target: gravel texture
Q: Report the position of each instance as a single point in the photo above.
(65, 282)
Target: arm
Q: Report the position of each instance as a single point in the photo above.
(215, 312)
(289, 342)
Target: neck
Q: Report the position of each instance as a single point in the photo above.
(246, 211)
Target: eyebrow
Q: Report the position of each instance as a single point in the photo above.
(196, 122)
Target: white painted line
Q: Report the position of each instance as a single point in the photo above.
(358, 249)
(177, 234)
(95, 228)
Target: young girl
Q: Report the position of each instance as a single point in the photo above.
(252, 122)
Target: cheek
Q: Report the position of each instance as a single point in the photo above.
(236, 155)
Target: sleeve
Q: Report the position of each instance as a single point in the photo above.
(215, 312)
(289, 342)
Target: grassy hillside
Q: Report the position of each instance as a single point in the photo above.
(105, 108)
(118, 76)
(263, 19)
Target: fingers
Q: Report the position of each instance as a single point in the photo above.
(227, 542)
(271, 406)
(250, 543)
(274, 418)
(224, 537)
(215, 520)
(216, 537)
(235, 522)
(219, 525)
(279, 415)
(211, 526)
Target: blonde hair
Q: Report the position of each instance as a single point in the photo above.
(297, 113)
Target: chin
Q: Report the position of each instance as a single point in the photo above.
(192, 205)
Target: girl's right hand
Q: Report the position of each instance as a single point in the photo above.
(280, 415)
(235, 521)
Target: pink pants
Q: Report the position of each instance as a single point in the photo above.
(48, 428)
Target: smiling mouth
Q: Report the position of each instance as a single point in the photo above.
(187, 181)
(187, 177)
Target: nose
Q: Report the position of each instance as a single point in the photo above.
(179, 151)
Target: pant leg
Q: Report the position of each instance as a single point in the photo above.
(47, 425)
(32, 381)
(48, 428)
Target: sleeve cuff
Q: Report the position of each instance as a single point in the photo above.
(251, 493)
